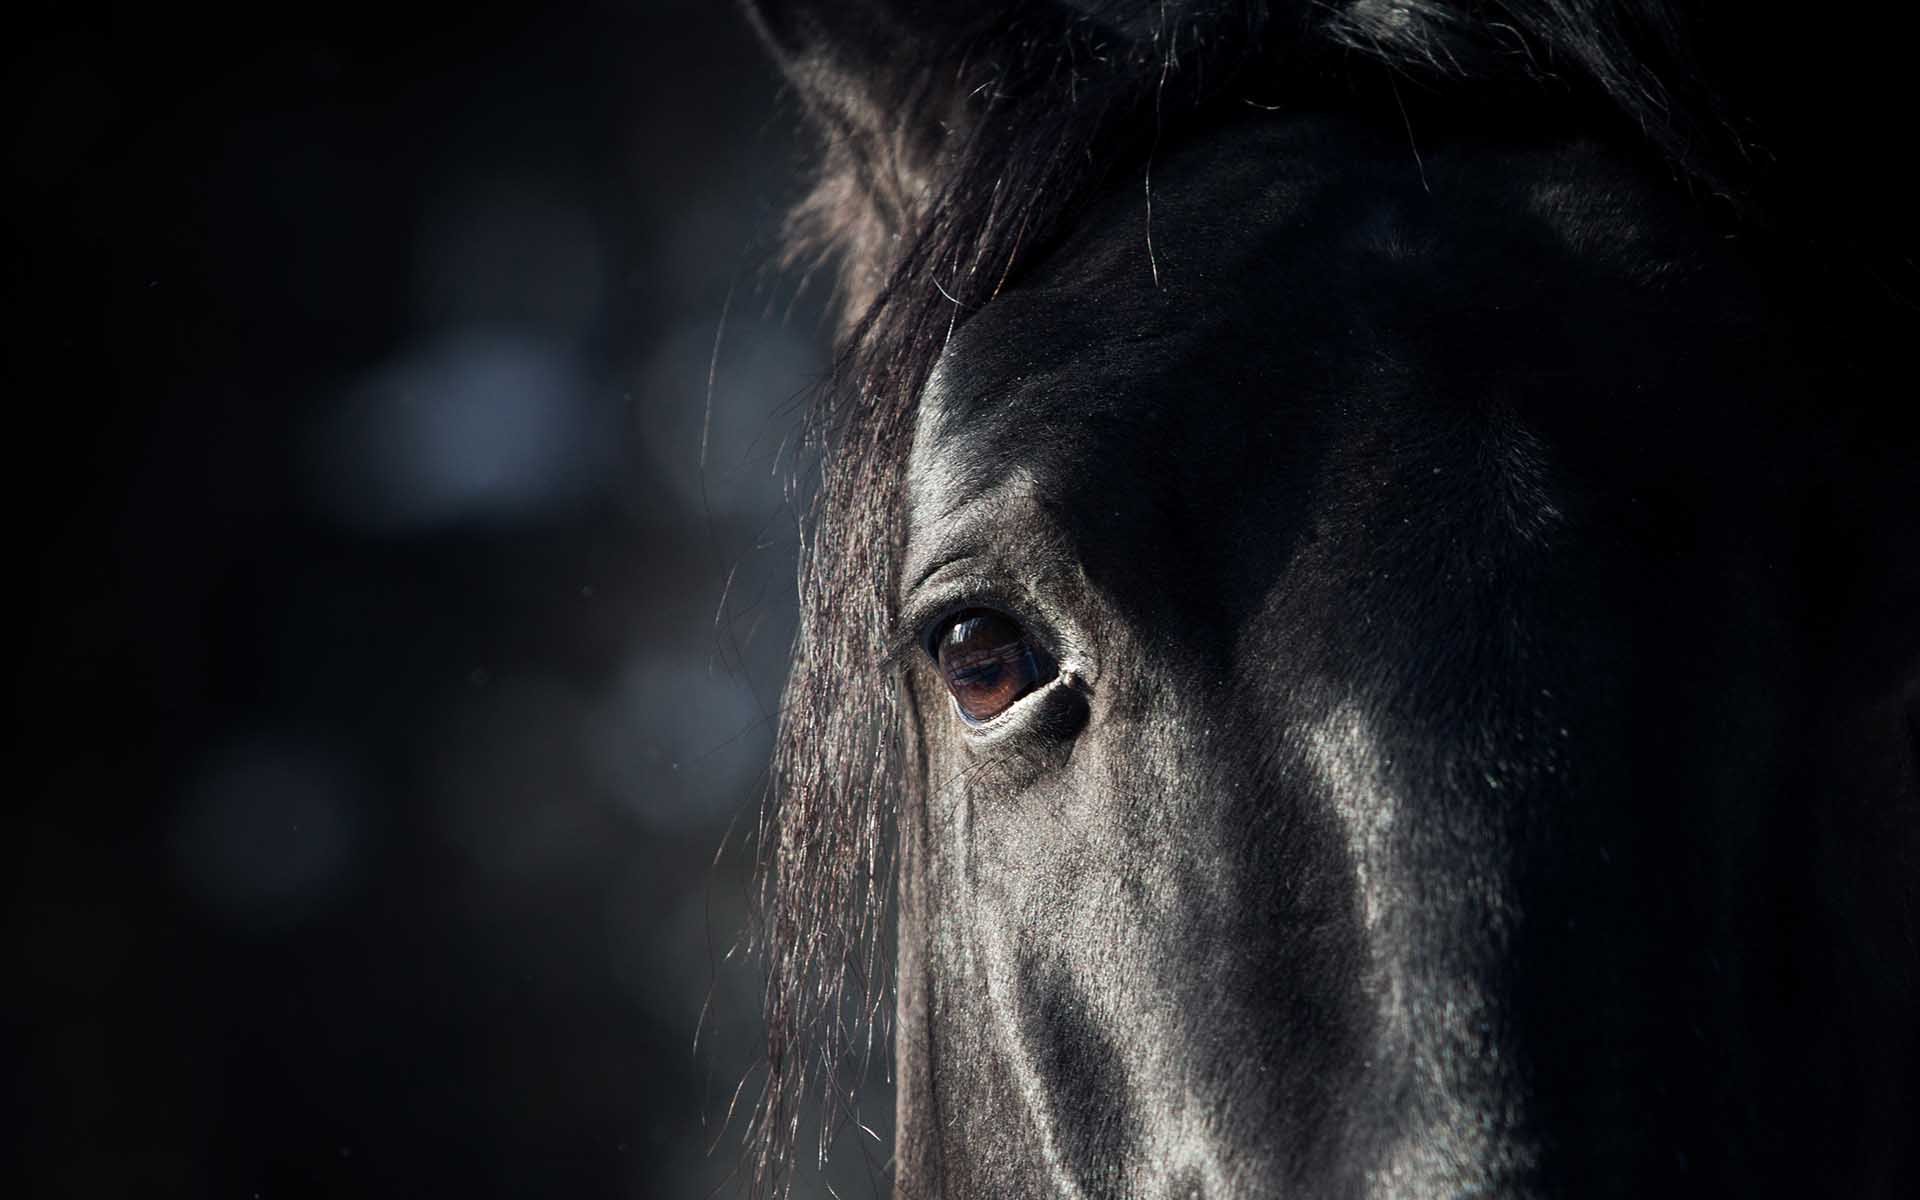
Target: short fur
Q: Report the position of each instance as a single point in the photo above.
(960, 152)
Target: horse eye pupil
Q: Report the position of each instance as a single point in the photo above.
(988, 663)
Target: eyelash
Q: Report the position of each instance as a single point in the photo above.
(929, 611)
(921, 621)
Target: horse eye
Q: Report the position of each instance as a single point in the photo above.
(988, 662)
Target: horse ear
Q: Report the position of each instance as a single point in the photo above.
(887, 84)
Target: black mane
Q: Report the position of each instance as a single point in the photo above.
(944, 179)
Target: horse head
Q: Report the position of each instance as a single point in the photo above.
(1373, 596)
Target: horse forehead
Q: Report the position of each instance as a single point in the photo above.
(1251, 269)
(1050, 381)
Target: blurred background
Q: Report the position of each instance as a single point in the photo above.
(400, 398)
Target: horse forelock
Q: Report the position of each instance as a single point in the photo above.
(1041, 110)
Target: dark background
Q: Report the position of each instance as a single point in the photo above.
(390, 660)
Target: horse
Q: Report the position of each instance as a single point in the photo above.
(1358, 613)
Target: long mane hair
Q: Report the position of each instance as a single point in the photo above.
(945, 176)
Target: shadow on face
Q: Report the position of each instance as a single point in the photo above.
(1430, 786)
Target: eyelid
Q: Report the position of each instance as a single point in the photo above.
(971, 582)
(942, 595)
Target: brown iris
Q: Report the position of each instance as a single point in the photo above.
(988, 662)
